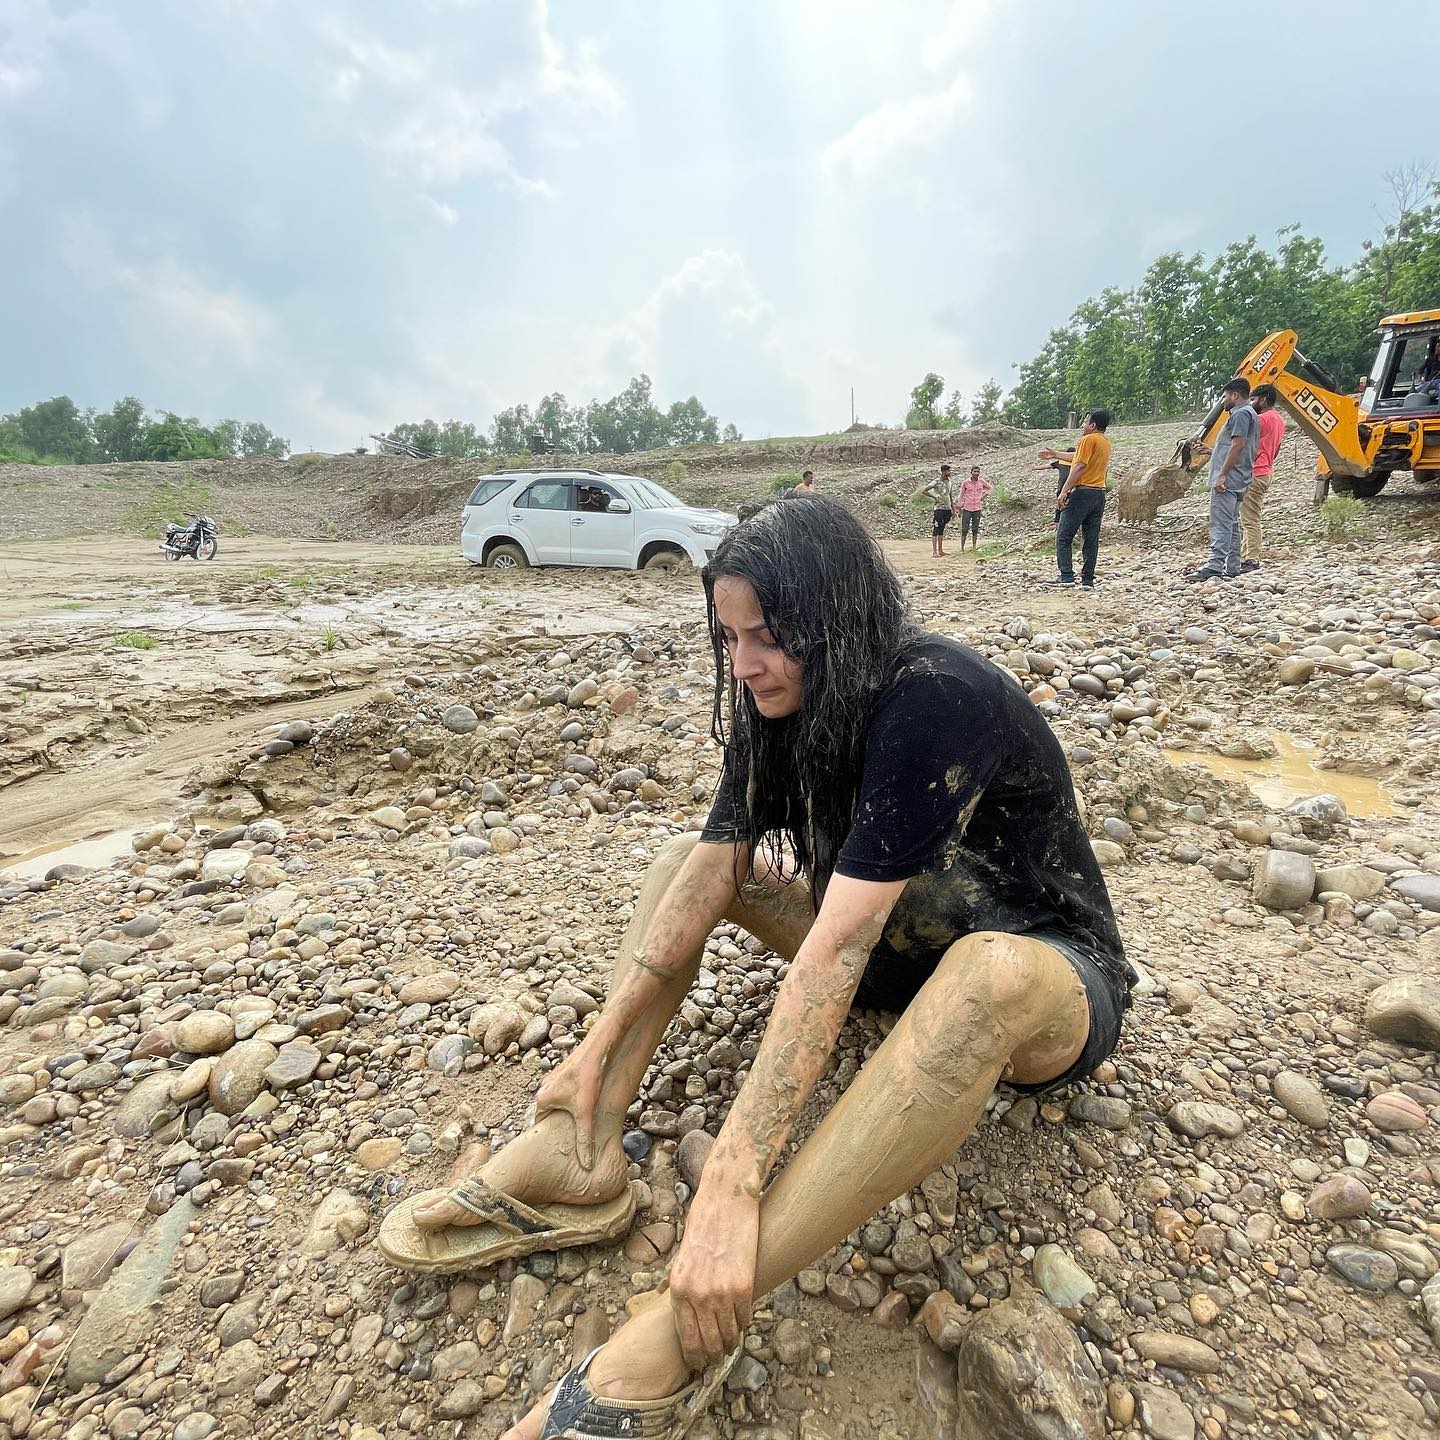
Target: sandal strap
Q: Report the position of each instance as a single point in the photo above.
(501, 1210)
(576, 1410)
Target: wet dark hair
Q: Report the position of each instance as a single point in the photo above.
(833, 604)
(1101, 419)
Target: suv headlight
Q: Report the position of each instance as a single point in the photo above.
(708, 527)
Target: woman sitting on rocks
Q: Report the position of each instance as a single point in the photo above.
(896, 820)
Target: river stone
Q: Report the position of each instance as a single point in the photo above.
(429, 989)
(459, 719)
(339, 1218)
(1296, 670)
(1023, 1375)
(1283, 880)
(1393, 1111)
(1319, 814)
(296, 1064)
(1107, 853)
(225, 864)
(1197, 1118)
(1302, 1099)
(1406, 1009)
(15, 1286)
(1107, 1111)
(1359, 882)
(1179, 1352)
(143, 1109)
(1065, 1284)
(1424, 890)
(389, 817)
(1163, 1414)
(239, 1075)
(206, 1032)
(123, 1313)
(1362, 1266)
(101, 955)
(1339, 1197)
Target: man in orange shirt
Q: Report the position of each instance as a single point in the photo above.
(1081, 501)
(1272, 432)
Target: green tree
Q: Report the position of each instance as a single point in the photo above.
(986, 409)
(687, 422)
(1040, 398)
(922, 414)
(563, 426)
(225, 436)
(510, 430)
(56, 429)
(628, 421)
(172, 438)
(120, 431)
(258, 441)
(729, 435)
(423, 437)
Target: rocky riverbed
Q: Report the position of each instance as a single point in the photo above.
(334, 970)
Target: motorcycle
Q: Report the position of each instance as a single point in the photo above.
(198, 540)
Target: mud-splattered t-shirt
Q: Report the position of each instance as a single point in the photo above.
(966, 793)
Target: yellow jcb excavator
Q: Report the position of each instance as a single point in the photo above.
(1362, 439)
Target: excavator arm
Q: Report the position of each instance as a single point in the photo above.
(1329, 418)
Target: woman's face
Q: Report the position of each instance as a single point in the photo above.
(766, 671)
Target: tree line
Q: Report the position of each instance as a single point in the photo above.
(1164, 347)
(58, 432)
(624, 423)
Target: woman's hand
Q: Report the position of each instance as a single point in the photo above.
(574, 1087)
(712, 1280)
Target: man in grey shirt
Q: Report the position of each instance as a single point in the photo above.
(1232, 467)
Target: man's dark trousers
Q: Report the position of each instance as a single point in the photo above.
(1082, 512)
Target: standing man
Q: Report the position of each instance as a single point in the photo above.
(1081, 501)
(1272, 432)
(1232, 467)
(972, 501)
(942, 492)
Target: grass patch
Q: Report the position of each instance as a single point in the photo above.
(265, 572)
(304, 463)
(888, 501)
(169, 502)
(781, 483)
(73, 605)
(990, 549)
(1341, 517)
(134, 640)
(331, 639)
(675, 472)
(323, 575)
(1008, 499)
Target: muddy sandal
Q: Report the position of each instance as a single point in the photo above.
(508, 1228)
(576, 1412)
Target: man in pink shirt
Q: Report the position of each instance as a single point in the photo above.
(1272, 432)
(972, 498)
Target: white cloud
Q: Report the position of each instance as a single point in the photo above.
(175, 314)
(448, 213)
(895, 135)
(441, 114)
(964, 27)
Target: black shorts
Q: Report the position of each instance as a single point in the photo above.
(1107, 981)
(969, 523)
(941, 520)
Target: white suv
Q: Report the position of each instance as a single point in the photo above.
(518, 518)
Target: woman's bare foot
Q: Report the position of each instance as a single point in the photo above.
(640, 1361)
(540, 1166)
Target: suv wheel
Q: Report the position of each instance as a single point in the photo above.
(507, 557)
(668, 562)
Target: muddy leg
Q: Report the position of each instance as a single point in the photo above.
(541, 1164)
(996, 1005)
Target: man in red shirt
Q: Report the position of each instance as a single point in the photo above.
(1272, 432)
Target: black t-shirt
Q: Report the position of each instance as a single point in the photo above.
(965, 793)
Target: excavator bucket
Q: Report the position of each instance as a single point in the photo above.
(1146, 488)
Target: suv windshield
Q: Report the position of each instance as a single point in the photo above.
(655, 497)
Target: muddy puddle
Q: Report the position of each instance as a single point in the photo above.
(93, 853)
(1292, 774)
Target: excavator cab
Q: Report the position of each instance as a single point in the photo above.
(1405, 378)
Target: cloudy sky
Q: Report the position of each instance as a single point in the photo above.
(338, 214)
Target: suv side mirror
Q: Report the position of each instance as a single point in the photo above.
(617, 506)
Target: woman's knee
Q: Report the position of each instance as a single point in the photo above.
(673, 854)
(1002, 969)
